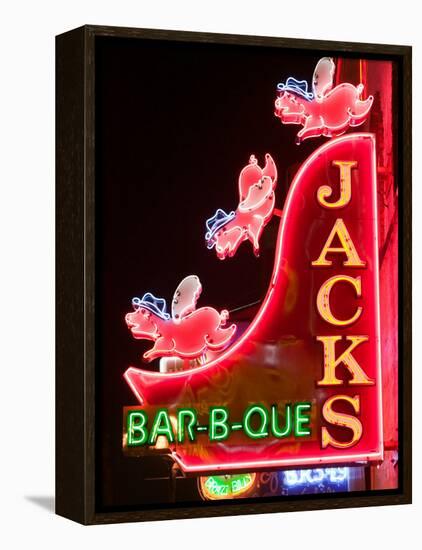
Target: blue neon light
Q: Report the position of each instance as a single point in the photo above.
(318, 480)
(215, 223)
(335, 476)
(153, 304)
(299, 87)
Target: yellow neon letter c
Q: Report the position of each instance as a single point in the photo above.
(323, 300)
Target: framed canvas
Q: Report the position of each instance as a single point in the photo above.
(233, 274)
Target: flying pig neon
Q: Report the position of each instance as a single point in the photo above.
(226, 232)
(188, 333)
(327, 111)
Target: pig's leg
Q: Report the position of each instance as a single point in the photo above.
(220, 336)
(234, 237)
(314, 126)
(255, 229)
(163, 346)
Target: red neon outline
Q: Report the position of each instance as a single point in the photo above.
(339, 459)
(155, 377)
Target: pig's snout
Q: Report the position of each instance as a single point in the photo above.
(129, 319)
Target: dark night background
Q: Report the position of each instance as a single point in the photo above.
(176, 122)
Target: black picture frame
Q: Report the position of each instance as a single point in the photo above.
(76, 284)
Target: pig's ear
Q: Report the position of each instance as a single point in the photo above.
(185, 297)
(248, 176)
(270, 169)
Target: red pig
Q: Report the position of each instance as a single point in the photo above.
(225, 231)
(188, 333)
(328, 115)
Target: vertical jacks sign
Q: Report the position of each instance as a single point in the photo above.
(302, 385)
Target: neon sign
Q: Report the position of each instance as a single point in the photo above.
(257, 422)
(330, 361)
(189, 333)
(318, 476)
(228, 486)
(327, 111)
(317, 480)
(225, 231)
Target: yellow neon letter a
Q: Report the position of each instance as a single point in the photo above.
(347, 247)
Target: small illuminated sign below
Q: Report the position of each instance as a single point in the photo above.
(318, 480)
(227, 486)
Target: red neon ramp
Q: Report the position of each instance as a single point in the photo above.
(281, 358)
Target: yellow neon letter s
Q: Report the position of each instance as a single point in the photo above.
(343, 420)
